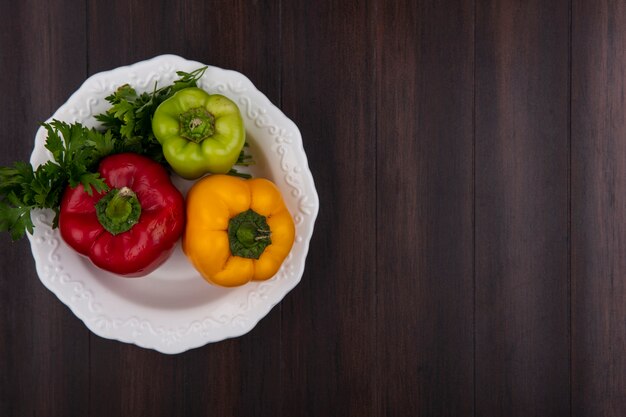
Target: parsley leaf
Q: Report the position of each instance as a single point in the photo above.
(15, 218)
(130, 115)
(76, 151)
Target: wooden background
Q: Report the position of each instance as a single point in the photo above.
(469, 257)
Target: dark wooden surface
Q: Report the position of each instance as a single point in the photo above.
(469, 257)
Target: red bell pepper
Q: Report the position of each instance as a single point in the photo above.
(131, 229)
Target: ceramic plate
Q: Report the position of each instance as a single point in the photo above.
(173, 309)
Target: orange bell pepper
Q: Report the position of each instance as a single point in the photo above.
(237, 230)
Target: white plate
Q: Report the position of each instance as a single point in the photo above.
(174, 309)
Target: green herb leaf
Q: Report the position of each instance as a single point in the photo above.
(15, 218)
(102, 143)
(130, 115)
(76, 151)
(91, 180)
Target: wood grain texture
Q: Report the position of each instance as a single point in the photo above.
(598, 209)
(42, 345)
(468, 257)
(234, 377)
(424, 128)
(239, 35)
(522, 98)
(328, 332)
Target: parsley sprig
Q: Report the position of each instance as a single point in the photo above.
(130, 115)
(76, 151)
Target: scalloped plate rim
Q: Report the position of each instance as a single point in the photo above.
(263, 308)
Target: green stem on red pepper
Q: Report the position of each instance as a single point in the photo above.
(119, 210)
(95, 225)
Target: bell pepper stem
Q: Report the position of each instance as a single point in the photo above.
(234, 173)
(249, 234)
(119, 210)
(196, 124)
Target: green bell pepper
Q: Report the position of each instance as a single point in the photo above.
(199, 132)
